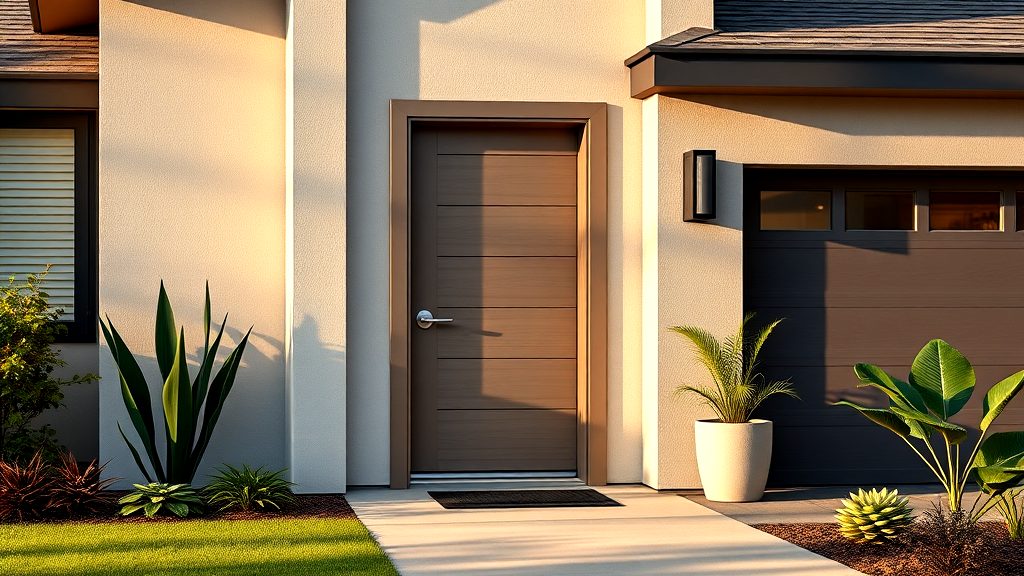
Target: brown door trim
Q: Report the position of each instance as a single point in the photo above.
(592, 268)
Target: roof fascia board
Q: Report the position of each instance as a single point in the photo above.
(49, 93)
(818, 74)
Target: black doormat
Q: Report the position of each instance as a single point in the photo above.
(521, 498)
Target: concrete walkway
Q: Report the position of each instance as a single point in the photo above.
(651, 534)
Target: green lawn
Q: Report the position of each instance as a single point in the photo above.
(305, 547)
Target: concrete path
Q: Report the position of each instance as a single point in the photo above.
(651, 534)
(797, 505)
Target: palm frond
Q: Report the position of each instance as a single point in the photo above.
(732, 364)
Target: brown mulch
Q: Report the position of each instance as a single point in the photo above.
(997, 556)
(305, 506)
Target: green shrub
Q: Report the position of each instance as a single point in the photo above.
(28, 329)
(24, 489)
(874, 517)
(247, 489)
(190, 408)
(940, 384)
(732, 363)
(76, 490)
(150, 499)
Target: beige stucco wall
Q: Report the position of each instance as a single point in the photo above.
(533, 50)
(699, 266)
(315, 305)
(191, 162)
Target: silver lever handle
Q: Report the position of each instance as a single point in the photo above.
(424, 319)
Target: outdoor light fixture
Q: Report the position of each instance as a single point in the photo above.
(698, 185)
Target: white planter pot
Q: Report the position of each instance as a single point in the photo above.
(733, 459)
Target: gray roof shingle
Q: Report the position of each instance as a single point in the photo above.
(23, 52)
(945, 27)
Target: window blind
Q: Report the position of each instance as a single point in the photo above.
(37, 209)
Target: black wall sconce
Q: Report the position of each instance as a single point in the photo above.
(699, 185)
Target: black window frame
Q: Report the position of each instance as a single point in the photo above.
(83, 328)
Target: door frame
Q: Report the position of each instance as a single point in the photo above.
(592, 266)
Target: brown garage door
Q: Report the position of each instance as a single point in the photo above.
(494, 249)
(867, 266)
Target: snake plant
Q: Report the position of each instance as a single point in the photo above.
(920, 410)
(191, 407)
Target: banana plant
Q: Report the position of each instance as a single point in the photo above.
(920, 409)
(191, 407)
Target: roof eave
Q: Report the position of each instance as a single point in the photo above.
(826, 72)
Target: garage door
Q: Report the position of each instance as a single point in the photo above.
(867, 266)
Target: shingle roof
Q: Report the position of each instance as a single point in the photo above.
(968, 27)
(24, 52)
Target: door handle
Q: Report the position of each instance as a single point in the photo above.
(424, 319)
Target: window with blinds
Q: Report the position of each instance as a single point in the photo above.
(37, 209)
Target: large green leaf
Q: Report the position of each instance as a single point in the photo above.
(202, 382)
(902, 393)
(944, 378)
(882, 417)
(135, 455)
(166, 333)
(135, 394)
(1000, 460)
(177, 400)
(999, 396)
(220, 387)
(953, 433)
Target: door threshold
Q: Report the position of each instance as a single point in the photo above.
(568, 477)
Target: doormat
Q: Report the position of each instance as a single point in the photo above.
(521, 498)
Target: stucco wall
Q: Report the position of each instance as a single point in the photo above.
(77, 423)
(699, 267)
(191, 166)
(532, 50)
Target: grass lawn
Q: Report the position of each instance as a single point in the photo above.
(280, 547)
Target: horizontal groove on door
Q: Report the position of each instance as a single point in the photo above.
(506, 231)
(515, 140)
(484, 180)
(506, 440)
(472, 282)
(507, 333)
(506, 384)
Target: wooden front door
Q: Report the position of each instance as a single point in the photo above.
(494, 248)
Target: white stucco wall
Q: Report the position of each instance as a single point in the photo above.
(191, 162)
(699, 266)
(315, 245)
(531, 50)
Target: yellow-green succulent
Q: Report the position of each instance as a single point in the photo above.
(873, 517)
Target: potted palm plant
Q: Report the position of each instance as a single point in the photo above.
(733, 450)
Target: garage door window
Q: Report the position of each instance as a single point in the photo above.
(964, 211)
(880, 210)
(796, 210)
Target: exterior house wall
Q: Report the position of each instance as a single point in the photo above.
(699, 266)
(192, 173)
(530, 50)
(77, 424)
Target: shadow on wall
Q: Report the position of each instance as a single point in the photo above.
(368, 97)
(260, 16)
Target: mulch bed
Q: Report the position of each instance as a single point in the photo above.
(305, 506)
(998, 555)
